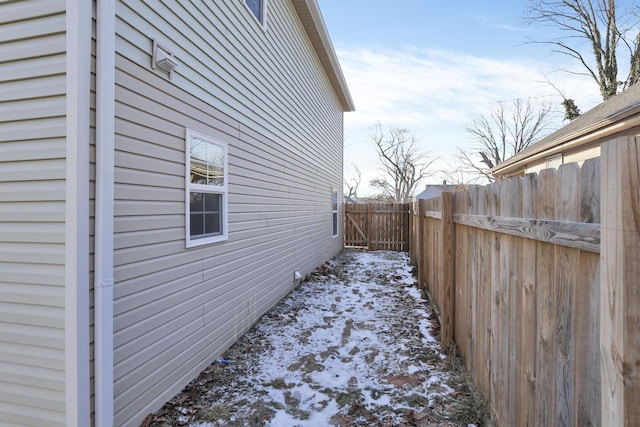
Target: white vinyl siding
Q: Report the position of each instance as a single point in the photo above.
(32, 212)
(264, 94)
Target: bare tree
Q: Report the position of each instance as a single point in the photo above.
(459, 175)
(503, 134)
(402, 164)
(594, 21)
(351, 185)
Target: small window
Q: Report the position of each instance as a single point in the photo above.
(554, 161)
(334, 211)
(206, 190)
(258, 8)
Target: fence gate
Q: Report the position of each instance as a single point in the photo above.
(377, 226)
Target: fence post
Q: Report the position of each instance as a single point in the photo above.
(620, 282)
(447, 269)
(422, 255)
(411, 236)
(406, 226)
(369, 227)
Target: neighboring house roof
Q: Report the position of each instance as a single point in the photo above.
(311, 18)
(613, 116)
(435, 190)
(431, 191)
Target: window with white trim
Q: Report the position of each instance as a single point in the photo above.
(206, 189)
(554, 161)
(258, 8)
(334, 211)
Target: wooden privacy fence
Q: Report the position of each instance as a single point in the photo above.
(537, 280)
(377, 226)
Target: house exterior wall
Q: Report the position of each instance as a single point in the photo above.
(32, 212)
(260, 90)
(576, 155)
(573, 156)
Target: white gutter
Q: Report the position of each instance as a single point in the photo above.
(103, 284)
(76, 270)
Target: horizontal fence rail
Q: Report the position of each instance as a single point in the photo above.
(576, 235)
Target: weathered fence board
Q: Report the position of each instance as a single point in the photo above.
(572, 234)
(620, 282)
(587, 307)
(526, 377)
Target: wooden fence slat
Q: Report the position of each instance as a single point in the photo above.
(587, 308)
(370, 227)
(422, 269)
(473, 284)
(513, 283)
(587, 360)
(446, 270)
(590, 191)
(494, 285)
(545, 282)
(483, 263)
(620, 282)
(460, 279)
(525, 400)
(568, 261)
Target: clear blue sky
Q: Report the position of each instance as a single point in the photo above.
(481, 27)
(433, 66)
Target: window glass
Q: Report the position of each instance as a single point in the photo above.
(205, 215)
(334, 211)
(256, 8)
(206, 190)
(554, 161)
(207, 162)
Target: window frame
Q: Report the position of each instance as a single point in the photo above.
(554, 161)
(335, 210)
(205, 188)
(262, 20)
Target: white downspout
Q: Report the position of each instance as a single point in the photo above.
(105, 144)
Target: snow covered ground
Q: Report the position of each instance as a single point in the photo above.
(354, 345)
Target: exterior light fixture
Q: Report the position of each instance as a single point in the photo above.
(163, 59)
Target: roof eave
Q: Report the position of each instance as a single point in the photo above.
(611, 125)
(311, 18)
